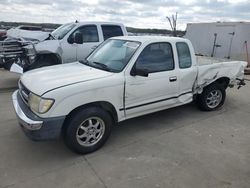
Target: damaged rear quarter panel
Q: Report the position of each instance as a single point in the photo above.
(207, 74)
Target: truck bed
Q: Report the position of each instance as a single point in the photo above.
(205, 60)
(210, 69)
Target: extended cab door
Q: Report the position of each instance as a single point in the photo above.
(159, 89)
(187, 71)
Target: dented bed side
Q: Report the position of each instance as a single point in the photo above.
(211, 69)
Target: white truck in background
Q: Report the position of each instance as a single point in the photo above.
(124, 77)
(68, 43)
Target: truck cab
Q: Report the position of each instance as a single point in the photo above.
(90, 35)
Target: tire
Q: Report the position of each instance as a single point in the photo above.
(84, 137)
(212, 97)
(7, 65)
(42, 61)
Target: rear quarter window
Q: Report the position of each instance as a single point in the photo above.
(184, 55)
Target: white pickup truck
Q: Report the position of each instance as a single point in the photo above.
(68, 43)
(124, 77)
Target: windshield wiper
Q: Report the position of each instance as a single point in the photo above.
(103, 66)
(85, 62)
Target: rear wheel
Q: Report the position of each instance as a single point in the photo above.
(87, 130)
(212, 98)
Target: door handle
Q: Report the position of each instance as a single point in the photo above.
(173, 79)
(94, 47)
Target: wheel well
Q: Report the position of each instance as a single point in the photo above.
(100, 104)
(223, 81)
(53, 57)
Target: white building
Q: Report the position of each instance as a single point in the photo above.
(221, 39)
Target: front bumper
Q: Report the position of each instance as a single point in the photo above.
(34, 127)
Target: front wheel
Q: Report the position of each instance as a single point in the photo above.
(212, 98)
(42, 61)
(87, 130)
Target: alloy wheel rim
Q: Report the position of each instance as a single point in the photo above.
(90, 131)
(214, 98)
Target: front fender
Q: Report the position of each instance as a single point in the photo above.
(73, 96)
(49, 46)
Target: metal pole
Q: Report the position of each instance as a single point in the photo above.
(230, 47)
(247, 54)
(215, 38)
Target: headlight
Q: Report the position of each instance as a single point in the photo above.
(32, 58)
(39, 104)
(30, 49)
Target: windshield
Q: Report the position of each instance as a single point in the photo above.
(61, 31)
(113, 55)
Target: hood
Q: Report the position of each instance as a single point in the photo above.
(27, 35)
(44, 79)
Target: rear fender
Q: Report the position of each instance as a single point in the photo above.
(226, 73)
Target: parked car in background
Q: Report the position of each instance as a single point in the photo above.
(12, 46)
(30, 28)
(27, 33)
(3, 33)
(124, 77)
(70, 42)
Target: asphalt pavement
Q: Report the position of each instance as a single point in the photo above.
(176, 148)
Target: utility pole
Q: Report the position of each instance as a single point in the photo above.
(173, 23)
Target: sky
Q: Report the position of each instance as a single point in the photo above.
(133, 13)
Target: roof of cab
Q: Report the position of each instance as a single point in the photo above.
(144, 39)
(97, 22)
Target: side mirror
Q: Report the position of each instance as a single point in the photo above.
(78, 39)
(71, 40)
(139, 72)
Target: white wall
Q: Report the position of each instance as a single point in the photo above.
(202, 37)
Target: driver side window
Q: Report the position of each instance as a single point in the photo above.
(89, 33)
(156, 57)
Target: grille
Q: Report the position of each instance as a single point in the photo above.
(24, 92)
(11, 48)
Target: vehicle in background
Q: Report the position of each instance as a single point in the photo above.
(12, 46)
(68, 43)
(30, 28)
(27, 33)
(3, 33)
(124, 77)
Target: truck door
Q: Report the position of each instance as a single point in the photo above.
(187, 72)
(160, 88)
(90, 41)
(68, 51)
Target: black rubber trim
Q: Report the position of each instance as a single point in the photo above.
(140, 105)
